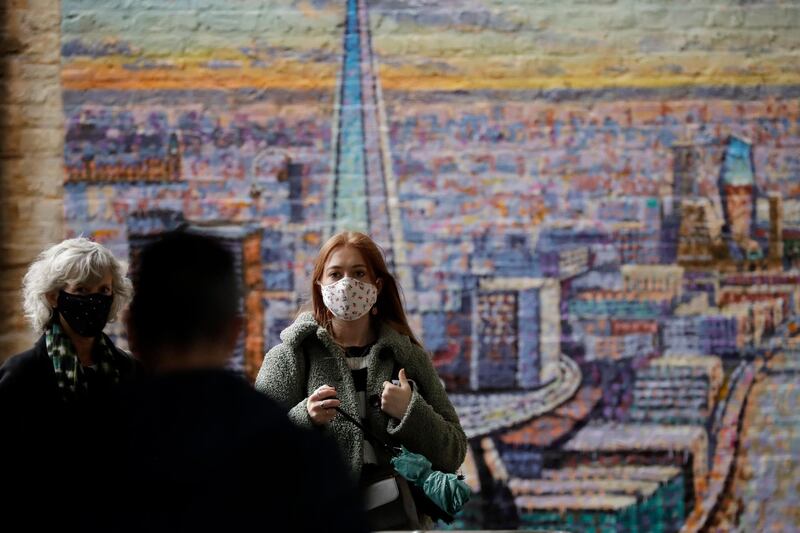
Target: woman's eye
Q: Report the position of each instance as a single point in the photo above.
(360, 274)
(334, 275)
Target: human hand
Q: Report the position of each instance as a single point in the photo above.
(395, 398)
(320, 405)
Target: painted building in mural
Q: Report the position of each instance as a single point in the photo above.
(516, 342)
(600, 255)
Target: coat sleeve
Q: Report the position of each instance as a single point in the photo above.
(9, 389)
(21, 380)
(283, 378)
(430, 425)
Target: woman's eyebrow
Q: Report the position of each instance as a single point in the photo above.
(333, 267)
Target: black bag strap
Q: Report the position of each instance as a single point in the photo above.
(368, 434)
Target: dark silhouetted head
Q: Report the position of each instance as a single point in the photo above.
(186, 298)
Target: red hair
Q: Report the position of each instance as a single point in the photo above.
(389, 303)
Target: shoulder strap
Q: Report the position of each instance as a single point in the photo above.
(369, 435)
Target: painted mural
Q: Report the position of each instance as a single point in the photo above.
(599, 243)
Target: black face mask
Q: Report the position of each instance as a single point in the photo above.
(86, 314)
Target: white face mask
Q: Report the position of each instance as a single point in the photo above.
(348, 298)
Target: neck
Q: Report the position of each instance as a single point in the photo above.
(83, 345)
(166, 360)
(353, 332)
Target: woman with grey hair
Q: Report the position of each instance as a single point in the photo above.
(56, 399)
(69, 294)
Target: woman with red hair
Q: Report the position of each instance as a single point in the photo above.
(355, 350)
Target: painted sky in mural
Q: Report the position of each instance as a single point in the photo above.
(465, 44)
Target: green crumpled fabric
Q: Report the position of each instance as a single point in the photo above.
(445, 490)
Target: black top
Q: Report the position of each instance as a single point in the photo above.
(206, 452)
(359, 374)
(358, 361)
(43, 439)
(29, 377)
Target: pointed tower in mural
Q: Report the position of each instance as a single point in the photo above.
(363, 194)
(685, 174)
(737, 191)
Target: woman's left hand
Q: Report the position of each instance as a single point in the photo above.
(395, 398)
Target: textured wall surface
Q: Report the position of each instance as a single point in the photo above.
(593, 209)
(31, 152)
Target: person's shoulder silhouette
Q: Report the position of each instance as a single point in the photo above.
(203, 450)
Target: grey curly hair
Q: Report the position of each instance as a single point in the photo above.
(72, 261)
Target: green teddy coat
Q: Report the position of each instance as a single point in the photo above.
(430, 425)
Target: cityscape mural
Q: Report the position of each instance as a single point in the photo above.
(601, 256)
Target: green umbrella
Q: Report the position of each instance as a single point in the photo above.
(448, 491)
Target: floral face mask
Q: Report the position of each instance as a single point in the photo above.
(348, 298)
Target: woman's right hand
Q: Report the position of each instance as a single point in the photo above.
(320, 405)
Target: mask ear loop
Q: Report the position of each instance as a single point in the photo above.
(379, 287)
(328, 314)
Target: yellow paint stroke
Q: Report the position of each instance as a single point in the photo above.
(584, 76)
(87, 74)
(191, 72)
(308, 10)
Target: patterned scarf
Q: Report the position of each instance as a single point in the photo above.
(71, 377)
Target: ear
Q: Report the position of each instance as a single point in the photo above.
(232, 332)
(379, 284)
(133, 338)
(52, 298)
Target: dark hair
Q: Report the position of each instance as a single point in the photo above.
(389, 304)
(185, 291)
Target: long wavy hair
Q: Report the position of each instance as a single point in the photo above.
(389, 304)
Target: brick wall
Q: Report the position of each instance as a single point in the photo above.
(31, 161)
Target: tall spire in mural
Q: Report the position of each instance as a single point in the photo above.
(363, 195)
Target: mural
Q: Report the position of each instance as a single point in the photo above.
(601, 254)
